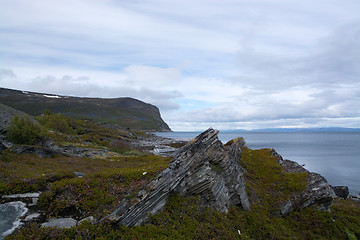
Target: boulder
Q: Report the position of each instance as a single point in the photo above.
(341, 191)
(203, 167)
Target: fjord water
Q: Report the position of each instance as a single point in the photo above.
(335, 155)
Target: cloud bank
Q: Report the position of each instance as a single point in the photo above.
(226, 64)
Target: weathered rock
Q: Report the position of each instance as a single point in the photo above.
(60, 223)
(318, 192)
(40, 151)
(341, 191)
(32, 217)
(203, 167)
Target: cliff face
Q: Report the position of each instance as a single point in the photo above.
(206, 168)
(125, 112)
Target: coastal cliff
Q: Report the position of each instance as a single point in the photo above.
(125, 112)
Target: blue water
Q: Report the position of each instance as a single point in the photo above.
(335, 155)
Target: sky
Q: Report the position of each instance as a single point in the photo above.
(226, 64)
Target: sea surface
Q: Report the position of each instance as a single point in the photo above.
(335, 155)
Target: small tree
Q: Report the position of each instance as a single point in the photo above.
(23, 130)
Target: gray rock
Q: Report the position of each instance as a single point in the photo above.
(40, 151)
(341, 191)
(318, 192)
(60, 223)
(31, 217)
(22, 195)
(203, 167)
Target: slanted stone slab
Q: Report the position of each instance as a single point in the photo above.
(203, 167)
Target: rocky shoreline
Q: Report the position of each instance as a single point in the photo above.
(198, 177)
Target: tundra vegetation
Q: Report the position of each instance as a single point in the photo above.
(110, 179)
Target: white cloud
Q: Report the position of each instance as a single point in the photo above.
(85, 86)
(227, 64)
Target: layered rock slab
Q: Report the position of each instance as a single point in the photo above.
(203, 167)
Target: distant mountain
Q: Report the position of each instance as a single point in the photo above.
(323, 129)
(125, 112)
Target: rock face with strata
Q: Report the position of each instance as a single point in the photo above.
(318, 192)
(203, 167)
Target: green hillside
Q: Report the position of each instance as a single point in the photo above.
(125, 112)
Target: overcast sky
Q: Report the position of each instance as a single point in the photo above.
(225, 64)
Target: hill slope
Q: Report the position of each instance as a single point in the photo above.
(125, 112)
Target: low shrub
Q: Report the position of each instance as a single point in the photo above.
(24, 130)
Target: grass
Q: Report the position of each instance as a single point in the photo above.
(101, 192)
(28, 172)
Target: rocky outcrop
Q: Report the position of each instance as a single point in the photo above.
(318, 192)
(203, 167)
(207, 168)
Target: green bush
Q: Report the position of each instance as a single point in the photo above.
(59, 123)
(24, 130)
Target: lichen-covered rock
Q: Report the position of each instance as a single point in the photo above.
(318, 192)
(203, 167)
